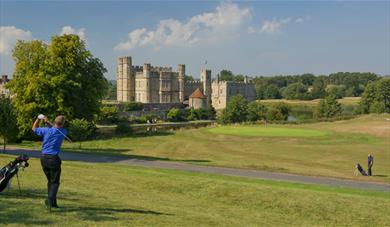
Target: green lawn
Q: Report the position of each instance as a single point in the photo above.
(265, 131)
(334, 153)
(109, 195)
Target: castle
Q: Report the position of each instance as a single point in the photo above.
(148, 84)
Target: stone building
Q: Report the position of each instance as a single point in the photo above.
(223, 90)
(162, 85)
(148, 84)
(197, 100)
(4, 80)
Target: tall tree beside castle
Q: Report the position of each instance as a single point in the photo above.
(62, 77)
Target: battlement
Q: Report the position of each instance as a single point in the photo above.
(193, 81)
(161, 69)
(232, 82)
(137, 68)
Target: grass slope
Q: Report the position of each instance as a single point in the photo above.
(108, 195)
(334, 154)
(264, 131)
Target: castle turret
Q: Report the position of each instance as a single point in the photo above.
(146, 71)
(125, 80)
(181, 69)
(205, 78)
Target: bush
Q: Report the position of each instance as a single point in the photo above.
(144, 119)
(256, 111)
(81, 130)
(108, 115)
(199, 114)
(235, 111)
(133, 106)
(175, 115)
(274, 114)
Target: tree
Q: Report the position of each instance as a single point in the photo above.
(329, 107)
(376, 97)
(235, 111)
(62, 77)
(318, 88)
(336, 90)
(226, 75)
(256, 111)
(296, 91)
(111, 91)
(8, 126)
(189, 78)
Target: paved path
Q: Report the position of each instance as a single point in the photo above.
(257, 174)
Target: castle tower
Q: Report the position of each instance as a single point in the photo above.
(181, 69)
(125, 80)
(205, 78)
(146, 70)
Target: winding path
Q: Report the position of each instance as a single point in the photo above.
(257, 174)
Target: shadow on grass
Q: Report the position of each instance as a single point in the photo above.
(109, 136)
(379, 175)
(101, 155)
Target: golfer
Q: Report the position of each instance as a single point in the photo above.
(51, 163)
(370, 163)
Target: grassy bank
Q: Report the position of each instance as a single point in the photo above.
(108, 195)
(334, 152)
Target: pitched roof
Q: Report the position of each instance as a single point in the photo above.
(197, 94)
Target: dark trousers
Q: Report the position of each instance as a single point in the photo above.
(51, 165)
(369, 171)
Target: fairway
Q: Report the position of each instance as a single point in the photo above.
(113, 195)
(333, 152)
(266, 131)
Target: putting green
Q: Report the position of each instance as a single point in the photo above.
(253, 131)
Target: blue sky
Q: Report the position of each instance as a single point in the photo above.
(247, 37)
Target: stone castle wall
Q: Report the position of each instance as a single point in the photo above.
(151, 84)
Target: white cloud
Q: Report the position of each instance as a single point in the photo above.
(275, 25)
(224, 22)
(251, 30)
(8, 37)
(69, 30)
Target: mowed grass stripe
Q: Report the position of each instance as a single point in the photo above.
(266, 131)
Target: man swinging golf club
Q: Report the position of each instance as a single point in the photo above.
(53, 136)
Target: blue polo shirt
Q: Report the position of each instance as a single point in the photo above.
(52, 139)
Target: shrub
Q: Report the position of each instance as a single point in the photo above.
(81, 130)
(275, 114)
(235, 111)
(256, 111)
(133, 106)
(108, 115)
(175, 115)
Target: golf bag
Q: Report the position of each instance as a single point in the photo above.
(11, 169)
(361, 170)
